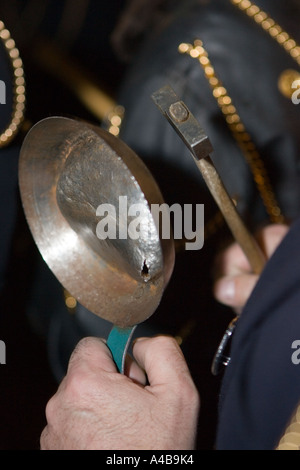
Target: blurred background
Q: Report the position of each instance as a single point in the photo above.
(74, 62)
(77, 58)
(75, 35)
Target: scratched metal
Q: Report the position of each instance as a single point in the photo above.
(67, 169)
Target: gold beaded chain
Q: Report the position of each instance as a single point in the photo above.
(290, 439)
(237, 128)
(228, 109)
(288, 77)
(270, 26)
(17, 116)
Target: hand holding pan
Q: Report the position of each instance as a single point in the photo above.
(67, 170)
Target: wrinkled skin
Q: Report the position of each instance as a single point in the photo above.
(95, 407)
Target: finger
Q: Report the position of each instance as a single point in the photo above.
(162, 360)
(234, 291)
(134, 371)
(271, 236)
(231, 262)
(92, 353)
(44, 439)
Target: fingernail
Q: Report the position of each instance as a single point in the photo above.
(225, 290)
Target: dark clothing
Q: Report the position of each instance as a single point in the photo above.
(261, 386)
(249, 63)
(261, 377)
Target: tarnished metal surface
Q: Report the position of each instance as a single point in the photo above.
(184, 123)
(67, 169)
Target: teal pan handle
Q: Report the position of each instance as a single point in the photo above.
(118, 342)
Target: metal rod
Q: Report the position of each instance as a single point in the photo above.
(230, 214)
(194, 137)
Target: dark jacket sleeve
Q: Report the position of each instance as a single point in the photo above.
(261, 386)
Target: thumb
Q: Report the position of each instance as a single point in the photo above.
(162, 360)
(91, 353)
(234, 291)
